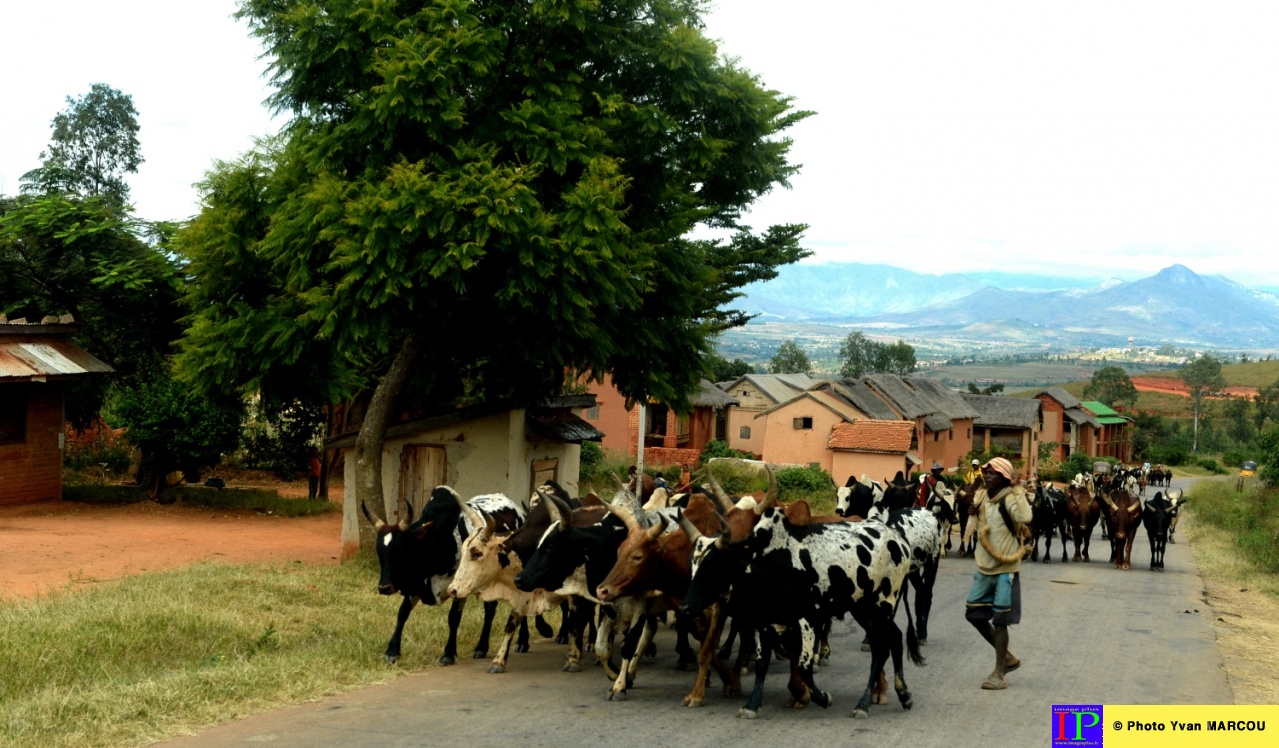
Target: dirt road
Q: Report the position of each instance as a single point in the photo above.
(1089, 634)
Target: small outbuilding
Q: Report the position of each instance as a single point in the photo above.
(37, 362)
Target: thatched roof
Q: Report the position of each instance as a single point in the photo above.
(1066, 399)
(862, 397)
(1004, 412)
(710, 396)
(917, 397)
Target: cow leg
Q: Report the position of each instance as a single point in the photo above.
(566, 612)
(726, 652)
(392, 654)
(515, 621)
(482, 646)
(899, 671)
(1063, 543)
(576, 620)
(455, 620)
(751, 710)
(810, 651)
(879, 652)
(823, 644)
(637, 638)
(687, 660)
(544, 629)
(706, 658)
(924, 584)
(604, 640)
(521, 644)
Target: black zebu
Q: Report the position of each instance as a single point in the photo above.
(799, 578)
(417, 560)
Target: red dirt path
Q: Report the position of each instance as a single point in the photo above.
(61, 545)
(1172, 386)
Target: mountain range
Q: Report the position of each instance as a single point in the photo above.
(1175, 305)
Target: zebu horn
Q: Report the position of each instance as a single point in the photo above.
(554, 509)
(475, 518)
(725, 503)
(658, 527)
(624, 514)
(725, 535)
(490, 525)
(689, 528)
(1109, 502)
(618, 480)
(771, 497)
(1136, 507)
(378, 524)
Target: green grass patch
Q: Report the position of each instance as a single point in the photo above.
(152, 656)
(1250, 516)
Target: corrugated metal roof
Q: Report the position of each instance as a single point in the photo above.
(1099, 408)
(31, 359)
(561, 426)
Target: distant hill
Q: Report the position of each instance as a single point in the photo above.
(1175, 305)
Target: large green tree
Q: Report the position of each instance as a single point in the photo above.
(1111, 386)
(1202, 377)
(790, 359)
(94, 144)
(91, 258)
(486, 199)
(1266, 406)
(860, 356)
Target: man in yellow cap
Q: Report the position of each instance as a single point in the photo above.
(994, 603)
(972, 472)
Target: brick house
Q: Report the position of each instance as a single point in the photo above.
(798, 431)
(1114, 438)
(670, 438)
(943, 420)
(486, 448)
(1010, 423)
(1066, 422)
(756, 393)
(36, 363)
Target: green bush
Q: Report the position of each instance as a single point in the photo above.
(592, 456)
(1232, 459)
(1210, 464)
(737, 478)
(1169, 454)
(803, 479)
(1270, 456)
(281, 442)
(716, 448)
(103, 449)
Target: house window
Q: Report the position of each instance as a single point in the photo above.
(970, 433)
(745, 433)
(544, 470)
(936, 436)
(950, 435)
(804, 422)
(593, 413)
(13, 414)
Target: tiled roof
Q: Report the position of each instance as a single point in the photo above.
(891, 437)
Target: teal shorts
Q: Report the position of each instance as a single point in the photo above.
(995, 598)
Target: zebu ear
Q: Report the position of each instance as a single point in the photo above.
(422, 530)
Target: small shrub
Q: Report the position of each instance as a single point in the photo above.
(716, 448)
(803, 479)
(1211, 465)
(1233, 459)
(737, 478)
(592, 456)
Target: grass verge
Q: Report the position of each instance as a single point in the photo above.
(261, 499)
(158, 655)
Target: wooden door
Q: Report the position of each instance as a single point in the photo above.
(422, 468)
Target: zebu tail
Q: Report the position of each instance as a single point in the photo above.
(912, 638)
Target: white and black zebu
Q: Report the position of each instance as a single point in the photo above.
(418, 558)
(796, 578)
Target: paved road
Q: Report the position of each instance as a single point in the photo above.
(1089, 634)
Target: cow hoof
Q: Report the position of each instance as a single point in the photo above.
(794, 703)
(447, 660)
(496, 668)
(1047, 560)
(865, 646)
(907, 700)
(732, 690)
(923, 642)
(880, 698)
(563, 639)
(390, 659)
(745, 713)
(691, 702)
(616, 695)
(572, 667)
(521, 648)
(1170, 540)
(480, 654)
(650, 650)
(821, 698)
(824, 661)
(684, 666)
(860, 713)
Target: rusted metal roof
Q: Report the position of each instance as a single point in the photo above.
(28, 360)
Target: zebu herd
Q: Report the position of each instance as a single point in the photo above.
(772, 576)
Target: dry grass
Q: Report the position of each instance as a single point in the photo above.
(1245, 601)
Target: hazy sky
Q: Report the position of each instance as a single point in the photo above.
(1089, 138)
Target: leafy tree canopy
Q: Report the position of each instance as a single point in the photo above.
(720, 369)
(790, 359)
(1202, 377)
(478, 200)
(89, 257)
(860, 356)
(94, 144)
(993, 389)
(1112, 386)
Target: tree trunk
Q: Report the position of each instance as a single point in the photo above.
(367, 467)
(1194, 442)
